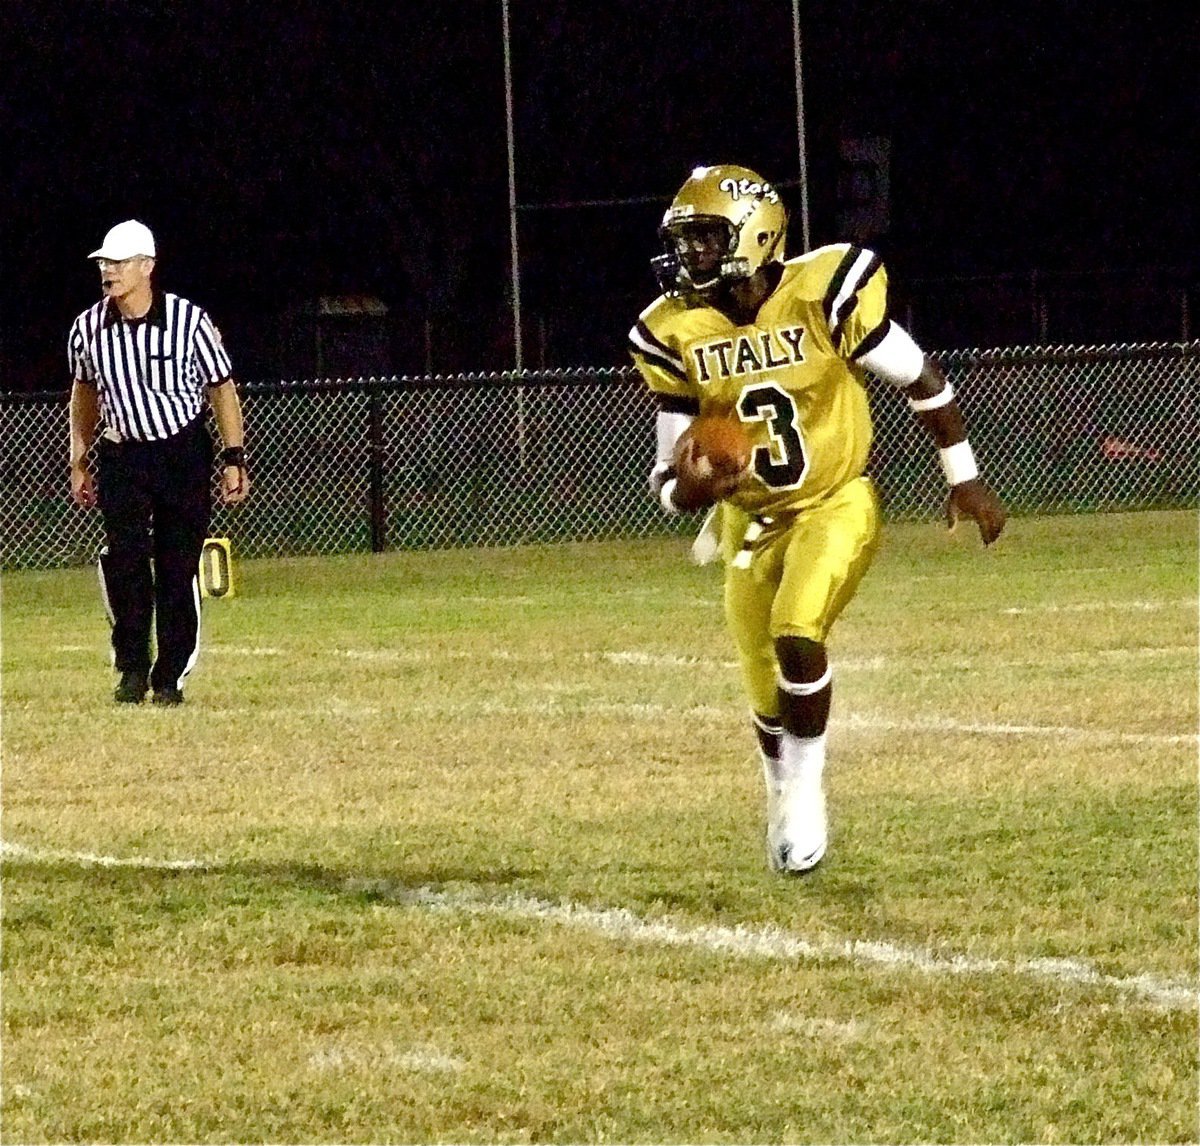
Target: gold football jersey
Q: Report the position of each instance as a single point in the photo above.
(791, 375)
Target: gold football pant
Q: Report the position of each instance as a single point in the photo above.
(794, 578)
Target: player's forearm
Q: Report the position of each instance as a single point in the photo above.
(945, 425)
(227, 409)
(85, 416)
(931, 399)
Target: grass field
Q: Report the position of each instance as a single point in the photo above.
(467, 847)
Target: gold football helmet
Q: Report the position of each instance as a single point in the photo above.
(725, 223)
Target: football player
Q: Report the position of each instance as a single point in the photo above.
(783, 344)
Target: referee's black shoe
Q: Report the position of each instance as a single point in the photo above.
(167, 696)
(131, 688)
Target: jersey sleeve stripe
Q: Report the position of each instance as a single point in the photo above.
(641, 332)
(854, 272)
(214, 362)
(79, 366)
(676, 404)
(836, 284)
(642, 342)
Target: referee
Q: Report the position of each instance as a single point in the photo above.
(142, 361)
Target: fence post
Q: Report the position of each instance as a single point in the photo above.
(377, 462)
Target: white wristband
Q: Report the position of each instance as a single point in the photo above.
(658, 475)
(664, 496)
(958, 463)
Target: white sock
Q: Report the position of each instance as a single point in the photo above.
(802, 758)
(772, 771)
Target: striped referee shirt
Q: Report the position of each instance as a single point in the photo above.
(150, 372)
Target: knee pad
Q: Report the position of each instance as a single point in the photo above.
(801, 660)
(805, 690)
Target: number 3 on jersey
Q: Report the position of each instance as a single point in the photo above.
(783, 463)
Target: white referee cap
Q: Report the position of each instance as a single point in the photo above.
(126, 240)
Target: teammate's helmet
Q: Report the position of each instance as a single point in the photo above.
(725, 223)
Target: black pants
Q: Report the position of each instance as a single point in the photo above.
(156, 499)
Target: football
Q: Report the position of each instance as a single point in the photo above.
(713, 445)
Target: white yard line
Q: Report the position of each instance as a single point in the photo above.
(727, 714)
(852, 722)
(430, 656)
(764, 942)
(423, 1060)
(641, 658)
(242, 650)
(815, 1027)
(866, 721)
(775, 943)
(1006, 574)
(1101, 606)
(89, 859)
(645, 658)
(1144, 652)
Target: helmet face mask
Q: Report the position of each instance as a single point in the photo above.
(701, 245)
(725, 224)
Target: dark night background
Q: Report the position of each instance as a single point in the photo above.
(287, 151)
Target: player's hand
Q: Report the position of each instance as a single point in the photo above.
(235, 484)
(974, 499)
(698, 485)
(83, 486)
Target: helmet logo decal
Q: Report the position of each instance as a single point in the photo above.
(739, 188)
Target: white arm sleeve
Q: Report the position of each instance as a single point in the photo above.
(897, 359)
(668, 427)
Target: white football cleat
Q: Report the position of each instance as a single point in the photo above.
(797, 827)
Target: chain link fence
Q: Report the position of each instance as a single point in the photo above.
(505, 459)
